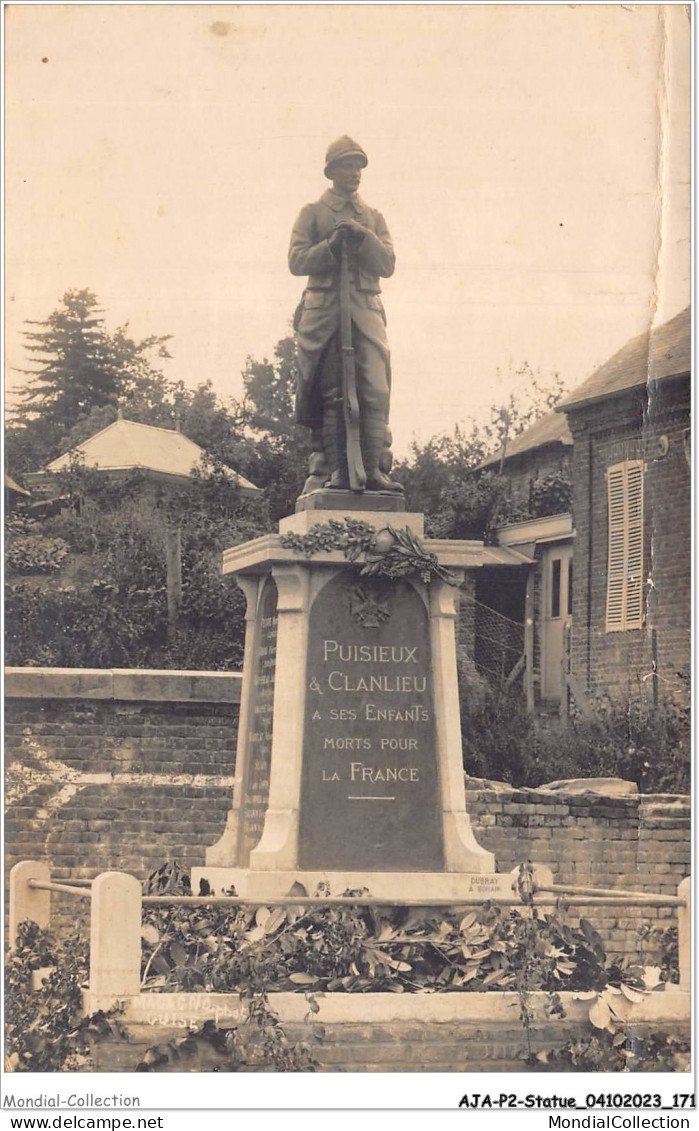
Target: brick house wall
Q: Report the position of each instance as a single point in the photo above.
(632, 426)
(523, 469)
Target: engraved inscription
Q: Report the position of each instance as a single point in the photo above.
(370, 786)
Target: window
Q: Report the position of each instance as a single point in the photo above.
(556, 587)
(625, 560)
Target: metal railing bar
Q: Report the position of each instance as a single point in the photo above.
(48, 885)
(563, 888)
(310, 901)
(367, 901)
(593, 897)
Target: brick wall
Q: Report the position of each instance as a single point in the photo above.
(633, 427)
(592, 840)
(127, 769)
(482, 1044)
(117, 769)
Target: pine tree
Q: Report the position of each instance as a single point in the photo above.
(80, 373)
(75, 368)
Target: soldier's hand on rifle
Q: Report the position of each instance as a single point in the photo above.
(354, 231)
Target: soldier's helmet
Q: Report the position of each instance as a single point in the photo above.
(343, 147)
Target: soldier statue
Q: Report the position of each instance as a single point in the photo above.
(344, 380)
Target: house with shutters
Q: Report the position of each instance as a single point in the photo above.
(604, 592)
(631, 472)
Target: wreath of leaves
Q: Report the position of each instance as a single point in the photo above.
(405, 557)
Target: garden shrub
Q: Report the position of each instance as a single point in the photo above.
(603, 1051)
(550, 494)
(631, 739)
(366, 949)
(45, 1030)
(86, 587)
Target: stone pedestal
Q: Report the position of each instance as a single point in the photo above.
(349, 762)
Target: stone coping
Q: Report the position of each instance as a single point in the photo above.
(394, 886)
(185, 1009)
(123, 684)
(484, 791)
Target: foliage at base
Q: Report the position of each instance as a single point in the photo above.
(45, 1030)
(617, 1052)
(630, 739)
(258, 1043)
(360, 949)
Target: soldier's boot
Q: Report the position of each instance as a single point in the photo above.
(386, 457)
(374, 434)
(334, 445)
(318, 470)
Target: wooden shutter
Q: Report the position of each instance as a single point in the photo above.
(625, 557)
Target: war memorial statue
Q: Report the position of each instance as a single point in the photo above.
(349, 765)
(344, 383)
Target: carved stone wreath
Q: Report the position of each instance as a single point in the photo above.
(388, 552)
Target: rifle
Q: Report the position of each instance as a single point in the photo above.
(350, 402)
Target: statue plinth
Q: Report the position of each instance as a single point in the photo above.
(326, 499)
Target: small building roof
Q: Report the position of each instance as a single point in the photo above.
(658, 353)
(548, 429)
(126, 446)
(505, 556)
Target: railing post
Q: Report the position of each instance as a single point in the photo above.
(684, 933)
(115, 935)
(541, 874)
(26, 902)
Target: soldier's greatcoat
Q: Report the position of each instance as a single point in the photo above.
(317, 319)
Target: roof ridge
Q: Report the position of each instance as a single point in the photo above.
(153, 427)
(642, 360)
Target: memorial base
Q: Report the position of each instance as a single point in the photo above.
(349, 767)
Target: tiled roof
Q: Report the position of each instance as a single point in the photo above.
(652, 356)
(548, 429)
(125, 446)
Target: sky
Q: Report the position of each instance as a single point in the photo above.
(531, 161)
